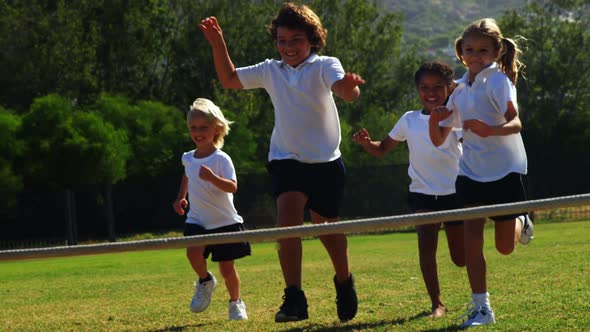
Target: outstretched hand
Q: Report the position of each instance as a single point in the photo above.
(478, 127)
(211, 29)
(352, 80)
(361, 137)
(347, 87)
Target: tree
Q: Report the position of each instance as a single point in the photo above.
(67, 147)
(11, 149)
(554, 92)
(157, 133)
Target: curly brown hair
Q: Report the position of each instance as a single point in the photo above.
(294, 16)
(435, 67)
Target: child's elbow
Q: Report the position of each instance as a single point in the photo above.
(436, 142)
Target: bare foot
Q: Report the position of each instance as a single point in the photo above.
(438, 311)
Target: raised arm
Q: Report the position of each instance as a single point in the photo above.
(375, 148)
(347, 87)
(437, 133)
(224, 67)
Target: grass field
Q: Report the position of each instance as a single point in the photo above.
(541, 287)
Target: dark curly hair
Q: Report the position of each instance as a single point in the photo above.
(435, 67)
(293, 16)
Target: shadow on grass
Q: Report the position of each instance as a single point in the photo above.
(374, 325)
(191, 327)
(319, 328)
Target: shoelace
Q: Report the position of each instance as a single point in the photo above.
(201, 290)
(470, 311)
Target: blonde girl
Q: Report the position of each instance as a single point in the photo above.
(494, 160)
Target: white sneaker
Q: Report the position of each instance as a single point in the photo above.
(477, 315)
(202, 296)
(237, 310)
(527, 232)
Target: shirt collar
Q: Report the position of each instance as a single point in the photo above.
(482, 75)
(313, 57)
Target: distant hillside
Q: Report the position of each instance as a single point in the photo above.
(439, 22)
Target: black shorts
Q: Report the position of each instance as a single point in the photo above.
(224, 251)
(322, 183)
(509, 189)
(423, 202)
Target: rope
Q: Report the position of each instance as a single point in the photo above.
(352, 226)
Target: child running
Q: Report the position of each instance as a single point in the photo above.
(494, 160)
(304, 158)
(210, 181)
(433, 171)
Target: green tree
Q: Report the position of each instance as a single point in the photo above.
(157, 133)
(67, 147)
(554, 92)
(46, 47)
(11, 148)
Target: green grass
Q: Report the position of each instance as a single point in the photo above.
(542, 287)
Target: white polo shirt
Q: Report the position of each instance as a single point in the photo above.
(433, 170)
(210, 207)
(490, 158)
(307, 126)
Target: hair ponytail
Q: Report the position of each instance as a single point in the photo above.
(508, 61)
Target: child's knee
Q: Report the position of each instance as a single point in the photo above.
(458, 259)
(505, 248)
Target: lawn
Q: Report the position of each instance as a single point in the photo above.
(541, 287)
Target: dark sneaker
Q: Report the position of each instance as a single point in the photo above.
(294, 306)
(346, 301)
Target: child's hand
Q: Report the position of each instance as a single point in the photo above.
(352, 80)
(347, 87)
(179, 205)
(206, 173)
(440, 113)
(478, 127)
(361, 137)
(211, 30)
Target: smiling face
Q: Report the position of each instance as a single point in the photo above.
(203, 131)
(432, 90)
(293, 45)
(478, 52)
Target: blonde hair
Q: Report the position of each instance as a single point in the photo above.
(293, 16)
(509, 49)
(212, 112)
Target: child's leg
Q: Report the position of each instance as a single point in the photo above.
(427, 245)
(290, 207)
(197, 260)
(337, 247)
(474, 257)
(456, 243)
(507, 235)
(232, 279)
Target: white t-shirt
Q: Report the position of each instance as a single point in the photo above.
(493, 157)
(307, 127)
(209, 206)
(433, 170)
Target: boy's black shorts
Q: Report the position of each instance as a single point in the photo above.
(220, 252)
(322, 183)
